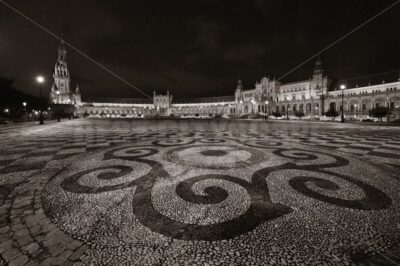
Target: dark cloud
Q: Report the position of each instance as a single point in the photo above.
(245, 52)
(194, 48)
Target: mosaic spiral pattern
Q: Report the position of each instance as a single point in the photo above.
(214, 156)
(210, 204)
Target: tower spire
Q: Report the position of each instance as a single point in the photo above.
(318, 69)
(62, 86)
(62, 52)
(239, 85)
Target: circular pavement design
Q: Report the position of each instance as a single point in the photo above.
(224, 200)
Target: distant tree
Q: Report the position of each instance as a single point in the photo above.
(12, 99)
(276, 114)
(379, 112)
(332, 113)
(299, 114)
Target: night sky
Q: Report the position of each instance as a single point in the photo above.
(195, 47)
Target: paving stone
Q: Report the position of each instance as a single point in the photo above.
(21, 233)
(19, 260)
(79, 252)
(31, 248)
(23, 241)
(4, 229)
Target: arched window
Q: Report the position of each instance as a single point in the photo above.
(332, 106)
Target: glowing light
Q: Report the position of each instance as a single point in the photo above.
(266, 102)
(6, 110)
(57, 92)
(24, 104)
(342, 87)
(40, 79)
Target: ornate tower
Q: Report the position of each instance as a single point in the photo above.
(318, 79)
(319, 85)
(61, 92)
(239, 90)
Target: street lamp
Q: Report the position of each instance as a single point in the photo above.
(342, 87)
(287, 113)
(267, 103)
(252, 108)
(355, 110)
(26, 114)
(40, 80)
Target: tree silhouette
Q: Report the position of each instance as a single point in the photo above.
(332, 113)
(299, 114)
(379, 112)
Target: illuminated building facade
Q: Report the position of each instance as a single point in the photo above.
(306, 99)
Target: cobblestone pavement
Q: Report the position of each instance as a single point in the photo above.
(167, 192)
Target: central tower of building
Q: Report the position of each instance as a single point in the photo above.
(61, 92)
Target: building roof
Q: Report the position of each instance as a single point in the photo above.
(368, 80)
(295, 83)
(96, 99)
(205, 99)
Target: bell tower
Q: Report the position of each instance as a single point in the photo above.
(319, 81)
(319, 85)
(61, 72)
(61, 92)
(239, 90)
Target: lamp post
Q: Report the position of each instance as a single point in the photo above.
(40, 80)
(342, 87)
(252, 108)
(268, 107)
(287, 113)
(355, 110)
(26, 114)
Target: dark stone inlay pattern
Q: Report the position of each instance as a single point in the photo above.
(261, 208)
(229, 156)
(216, 153)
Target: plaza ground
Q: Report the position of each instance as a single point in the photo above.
(206, 192)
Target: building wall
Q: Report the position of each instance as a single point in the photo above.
(357, 102)
(291, 98)
(310, 97)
